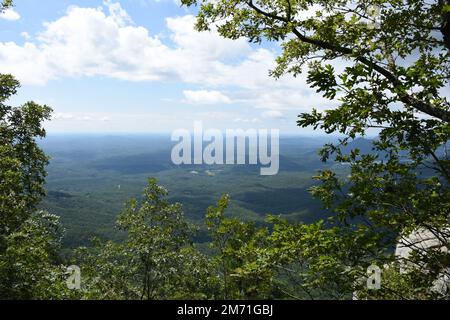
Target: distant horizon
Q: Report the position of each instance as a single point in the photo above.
(167, 133)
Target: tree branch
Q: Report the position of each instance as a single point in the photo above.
(404, 97)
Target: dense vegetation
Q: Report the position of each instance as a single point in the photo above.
(91, 177)
(397, 64)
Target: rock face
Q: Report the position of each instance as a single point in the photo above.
(420, 240)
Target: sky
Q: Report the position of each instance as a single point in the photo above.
(139, 66)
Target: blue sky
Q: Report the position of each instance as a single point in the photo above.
(138, 66)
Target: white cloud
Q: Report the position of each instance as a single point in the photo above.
(288, 97)
(106, 42)
(274, 114)
(145, 3)
(10, 14)
(246, 120)
(95, 41)
(203, 97)
(58, 116)
(203, 45)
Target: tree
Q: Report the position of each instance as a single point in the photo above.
(236, 246)
(394, 61)
(22, 162)
(157, 260)
(31, 267)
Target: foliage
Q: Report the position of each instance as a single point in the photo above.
(29, 240)
(393, 60)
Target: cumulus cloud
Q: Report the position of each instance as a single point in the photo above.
(104, 41)
(95, 41)
(62, 116)
(72, 116)
(80, 117)
(205, 97)
(118, 13)
(10, 14)
(87, 42)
